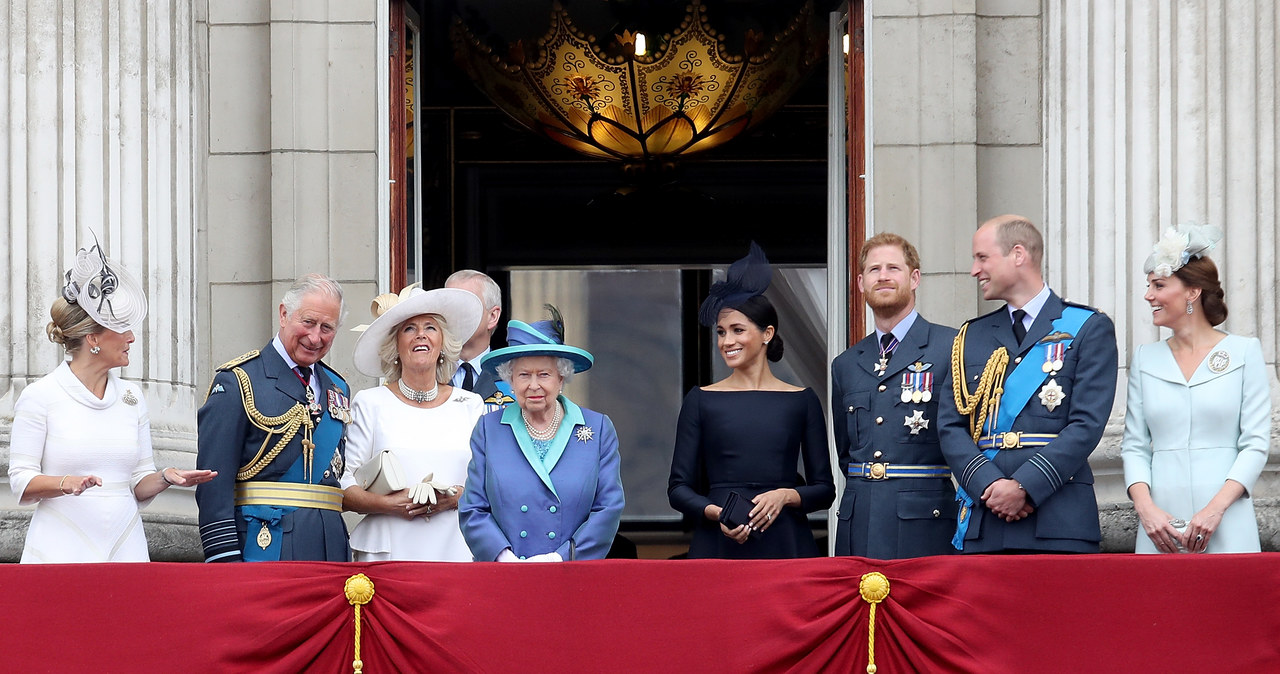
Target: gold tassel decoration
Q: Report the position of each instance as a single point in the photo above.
(359, 590)
(874, 589)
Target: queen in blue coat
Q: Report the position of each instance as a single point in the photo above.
(544, 482)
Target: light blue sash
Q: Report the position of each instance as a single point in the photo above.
(1019, 386)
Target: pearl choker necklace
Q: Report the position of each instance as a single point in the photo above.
(550, 431)
(420, 396)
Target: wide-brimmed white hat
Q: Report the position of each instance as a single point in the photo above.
(461, 310)
(109, 293)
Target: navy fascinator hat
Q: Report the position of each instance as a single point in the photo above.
(747, 278)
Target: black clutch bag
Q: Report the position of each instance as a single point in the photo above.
(736, 511)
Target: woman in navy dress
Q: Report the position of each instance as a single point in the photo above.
(748, 433)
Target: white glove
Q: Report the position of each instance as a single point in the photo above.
(507, 556)
(425, 492)
(547, 557)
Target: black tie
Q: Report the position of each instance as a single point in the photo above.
(468, 377)
(887, 345)
(306, 375)
(1019, 330)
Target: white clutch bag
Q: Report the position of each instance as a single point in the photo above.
(382, 474)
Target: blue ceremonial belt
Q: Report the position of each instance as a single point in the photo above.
(1019, 386)
(885, 471)
(327, 434)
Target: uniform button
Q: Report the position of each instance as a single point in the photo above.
(524, 508)
(937, 513)
(851, 408)
(879, 420)
(326, 473)
(524, 534)
(882, 387)
(877, 455)
(522, 557)
(975, 377)
(1071, 479)
(552, 509)
(551, 534)
(1017, 360)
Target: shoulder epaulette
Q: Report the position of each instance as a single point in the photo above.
(1080, 306)
(238, 360)
(333, 372)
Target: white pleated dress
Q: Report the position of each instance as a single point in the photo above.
(1185, 438)
(436, 441)
(60, 428)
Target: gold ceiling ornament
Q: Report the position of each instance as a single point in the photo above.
(681, 94)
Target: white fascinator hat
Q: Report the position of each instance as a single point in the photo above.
(108, 292)
(1177, 247)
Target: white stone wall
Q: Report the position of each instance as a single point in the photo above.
(1158, 114)
(293, 166)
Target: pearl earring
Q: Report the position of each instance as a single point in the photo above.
(1190, 308)
(95, 350)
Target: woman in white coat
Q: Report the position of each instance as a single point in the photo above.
(1197, 427)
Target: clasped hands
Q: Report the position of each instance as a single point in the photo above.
(428, 497)
(1007, 499)
(768, 506)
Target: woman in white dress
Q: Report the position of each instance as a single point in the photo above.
(425, 424)
(81, 439)
(1198, 425)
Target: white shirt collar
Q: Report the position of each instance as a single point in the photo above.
(1032, 307)
(284, 355)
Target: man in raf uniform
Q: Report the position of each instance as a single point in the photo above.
(273, 427)
(1033, 385)
(898, 499)
(495, 393)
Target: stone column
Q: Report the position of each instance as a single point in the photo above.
(1158, 114)
(97, 137)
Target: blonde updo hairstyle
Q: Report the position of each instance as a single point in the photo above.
(450, 348)
(70, 325)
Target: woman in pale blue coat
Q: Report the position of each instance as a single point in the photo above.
(1198, 424)
(544, 482)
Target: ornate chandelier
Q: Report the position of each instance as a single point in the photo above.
(644, 108)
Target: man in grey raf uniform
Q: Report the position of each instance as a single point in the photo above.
(495, 393)
(1035, 380)
(898, 499)
(273, 426)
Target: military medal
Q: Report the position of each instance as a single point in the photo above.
(1053, 357)
(339, 406)
(916, 422)
(1051, 395)
(917, 385)
(264, 536)
(1219, 361)
(886, 350)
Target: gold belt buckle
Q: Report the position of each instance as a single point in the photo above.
(877, 470)
(1011, 440)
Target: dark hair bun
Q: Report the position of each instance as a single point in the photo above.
(774, 351)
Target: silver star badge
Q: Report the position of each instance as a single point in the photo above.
(584, 434)
(1051, 395)
(916, 422)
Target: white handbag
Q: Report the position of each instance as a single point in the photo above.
(382, 474)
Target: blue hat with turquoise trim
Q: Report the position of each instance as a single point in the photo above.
(542, 338)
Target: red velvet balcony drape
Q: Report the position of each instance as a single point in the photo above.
(1119, 613)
